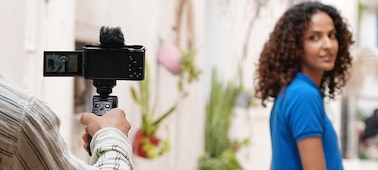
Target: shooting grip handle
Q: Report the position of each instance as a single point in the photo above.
(100, 106)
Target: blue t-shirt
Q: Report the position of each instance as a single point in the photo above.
(298, 113)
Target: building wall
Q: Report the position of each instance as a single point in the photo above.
(29, 27)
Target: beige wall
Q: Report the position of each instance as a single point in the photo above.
(28, 28)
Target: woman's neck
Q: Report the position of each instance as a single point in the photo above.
(316, 77)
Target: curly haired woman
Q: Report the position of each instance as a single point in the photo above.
(305, 60)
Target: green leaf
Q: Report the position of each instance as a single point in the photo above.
(134, 95)
(157, 122)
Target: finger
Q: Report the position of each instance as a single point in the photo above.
(85, 137)
(85, 146)
(86, 118)
(128, 128)
(116, 112)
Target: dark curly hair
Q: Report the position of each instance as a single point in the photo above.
(280, 58)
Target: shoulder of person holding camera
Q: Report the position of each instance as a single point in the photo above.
(30, 138)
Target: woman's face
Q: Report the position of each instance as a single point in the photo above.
(320, 45)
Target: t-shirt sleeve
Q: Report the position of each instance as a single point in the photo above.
(305, 114)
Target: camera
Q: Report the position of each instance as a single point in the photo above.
(103, 63)
(97, 63)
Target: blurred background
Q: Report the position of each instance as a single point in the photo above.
(201, 57)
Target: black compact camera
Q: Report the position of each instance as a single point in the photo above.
(103, 63)
(97, 63)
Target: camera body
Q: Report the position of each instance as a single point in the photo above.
(97, 63)
(104, 65)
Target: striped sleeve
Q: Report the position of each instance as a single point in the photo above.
(30, 138)
(29, 131)
(112, 149)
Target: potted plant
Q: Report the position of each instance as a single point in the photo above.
(146, 143)
(220, 151)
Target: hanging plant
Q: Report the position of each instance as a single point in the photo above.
(179, 63)
(146, 143)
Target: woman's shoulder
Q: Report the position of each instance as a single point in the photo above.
(302, 91)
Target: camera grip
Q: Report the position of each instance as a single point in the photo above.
(101, 105)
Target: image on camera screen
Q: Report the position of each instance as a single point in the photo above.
(62, 64)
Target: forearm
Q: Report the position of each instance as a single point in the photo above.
(311, 153)
(111, 149)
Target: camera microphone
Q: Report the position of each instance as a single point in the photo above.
(111, 37)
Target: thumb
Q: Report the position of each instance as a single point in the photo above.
(86, 118)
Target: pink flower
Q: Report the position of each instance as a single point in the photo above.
(170, 57)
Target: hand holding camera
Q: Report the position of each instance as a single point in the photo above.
(114, 118)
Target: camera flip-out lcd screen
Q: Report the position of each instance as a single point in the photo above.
(62, 63)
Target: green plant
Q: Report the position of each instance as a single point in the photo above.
(188, 71)
(150, 124)
(152, 150)
(180, 64)
(146, 144)
(220, 151)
